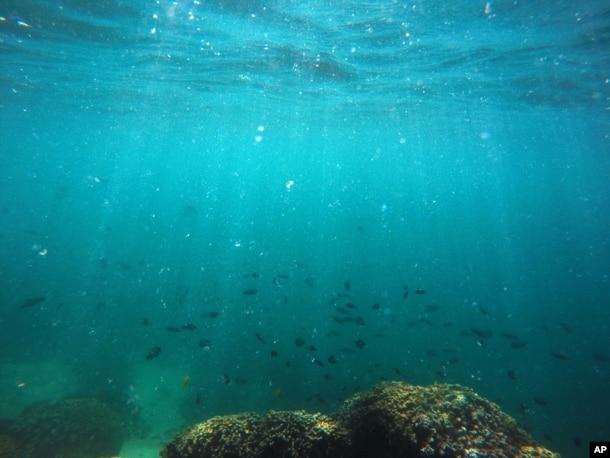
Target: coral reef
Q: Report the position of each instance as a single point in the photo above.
(397, 419)
(536, 452)
(275, 435)
(392, 419)
(70, 428)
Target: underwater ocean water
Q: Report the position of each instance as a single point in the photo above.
(211, 207)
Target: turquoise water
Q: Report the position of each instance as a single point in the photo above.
(250, 168)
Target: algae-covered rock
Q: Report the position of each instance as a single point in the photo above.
(231, 435)
(301, 434)
(397, 419)
(277, 434)
(391, 420)
(9, 447)
(536, 452)
(70, 428)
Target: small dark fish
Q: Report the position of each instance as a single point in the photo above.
(512, 375)
(441, 374)
(396, 371)
(240, 381)
(548, 437)
(328, 377)
(33, 301)
(338, 319)
(420, 291)
(198, 400)
(375, 306)
(188, 327)
(299, 341)
(226, 379)
(518, 344)
(273, 354)
(359, 321)
(349, 305)
(260, 338)
(210, 315)
(448, 324)
(318, 362)
(205, 342)
(510, 336)
(145, 321)
(559, 356)
(577, 441)
(153, 353)
(405, 294)
(482, 332)
(567, 329)
(482, 310)
(312, 348)
(342, 310)
(432, 308)
(346, 285)
(426, 321)
(540, 401)
(250, 292)
(601, 357)
(332, 360)
(452, 360)
(172, 329)
(360, 343)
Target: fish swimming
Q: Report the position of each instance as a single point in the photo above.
(559, 356)
(540, 400)
(153, 353)
(33, 301)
